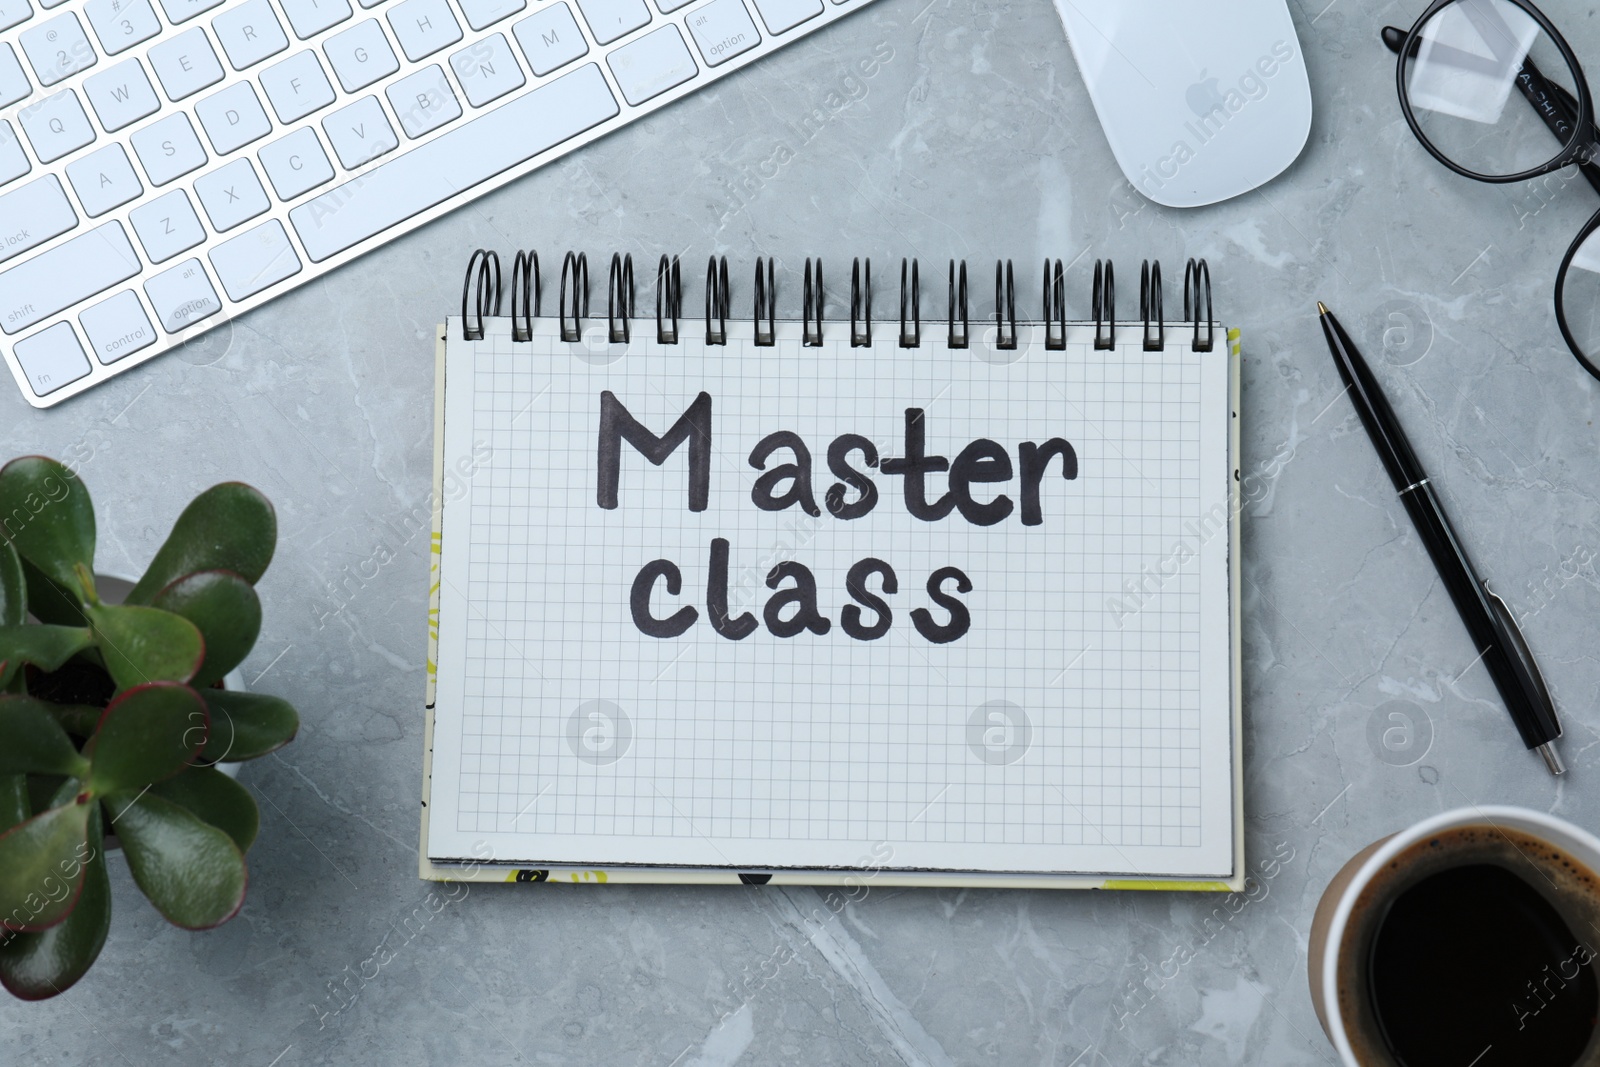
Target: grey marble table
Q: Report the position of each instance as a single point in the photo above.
(974, 138)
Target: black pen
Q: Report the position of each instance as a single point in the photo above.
(1494, 631)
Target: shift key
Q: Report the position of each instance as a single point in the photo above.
(32, 214)
(72, 271)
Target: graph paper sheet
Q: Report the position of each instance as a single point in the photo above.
(1017, 660)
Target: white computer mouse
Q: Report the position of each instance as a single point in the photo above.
(1200, 101)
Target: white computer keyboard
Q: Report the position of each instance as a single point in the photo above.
(168, 164)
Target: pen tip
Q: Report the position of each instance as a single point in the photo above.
(1552, 758)
(1322, 309)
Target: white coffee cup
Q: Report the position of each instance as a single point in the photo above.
(1331, 922)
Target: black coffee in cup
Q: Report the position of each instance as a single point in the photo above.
(1475, 947)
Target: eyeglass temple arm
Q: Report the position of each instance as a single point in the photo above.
(1394, 37)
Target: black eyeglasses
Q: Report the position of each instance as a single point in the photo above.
(1459, 71)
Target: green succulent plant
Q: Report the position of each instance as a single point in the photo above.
(112, 720)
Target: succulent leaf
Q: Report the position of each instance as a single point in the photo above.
(226, 611)
(13, 587)
(246, 725)
(192, 872)
(14, 805)
(51, 602)
(42, 865)
(79, 720)
(141, 644)
(32, 742)
(215, 799)
(46, 514)
(229, 527)
(146, 734)
(34, 966)
(46, 647)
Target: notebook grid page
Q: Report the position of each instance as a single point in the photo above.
(1068, 713)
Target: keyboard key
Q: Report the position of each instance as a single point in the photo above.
(652, 64)
(56, 126)
(550, 39)
(117, 327)
(360, 133)
(120, 95)
(722, 29)
(423, 27)
(13, 160)
(32, 214)
(182, 296)
(232, 118)
(57, 48)
(295, 163)
(453, 163)
(13, 12)
(14, 84)
(487, 70)
(423, 101)
(311, 17)
(59, 277)
(249, 33)
(167, 225)
(121, 24)
(168, 148)
(103, 179)
(184, 10)
(185, 64)
(255, 259)
(296, 86)
(360, 55)
(783, 15)
(231, 195)
(52, 358)
(481, 14)
(610, 19)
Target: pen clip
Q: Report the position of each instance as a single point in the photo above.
(1524, 653)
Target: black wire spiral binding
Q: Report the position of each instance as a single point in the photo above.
(1105, 305)
(717, 300)
(619, 300)
(1198, 275)
(484, 268)
(766, 307)
(910, 338)
(958, 295)
(576, 264)
(811, 308)
(669, 300)
(483, 289)
(526, 283)
(1055, 307)
(1005, 306)
(1150, 306)
(861, 305)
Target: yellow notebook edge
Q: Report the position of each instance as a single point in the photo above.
(865, 877)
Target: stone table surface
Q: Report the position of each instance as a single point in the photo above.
(971, 137)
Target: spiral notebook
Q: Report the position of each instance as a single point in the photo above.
(723, 597)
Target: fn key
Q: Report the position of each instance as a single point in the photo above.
(52, 358)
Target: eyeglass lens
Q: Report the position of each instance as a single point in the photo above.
(1580, 299)
(1472, 61)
